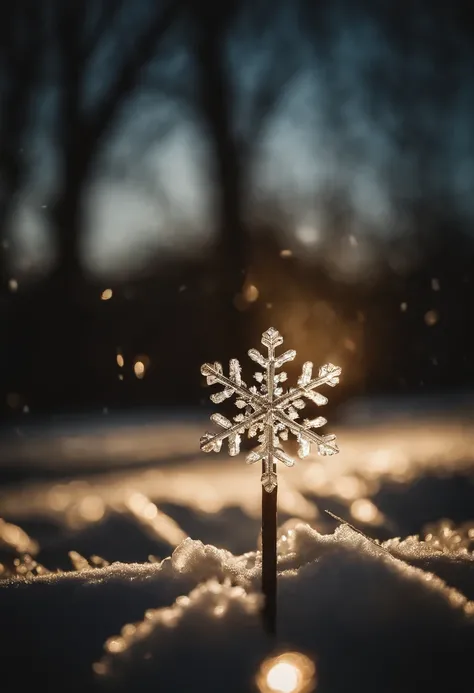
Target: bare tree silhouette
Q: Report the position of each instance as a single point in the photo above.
(82, 130)
(21, 44)
(233, 142)
(74, 33)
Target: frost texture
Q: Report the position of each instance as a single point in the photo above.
(223, 604)
(337, 593)
(267, 412)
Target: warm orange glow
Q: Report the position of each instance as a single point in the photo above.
(291, 672)
(107, 294)
(120, 361)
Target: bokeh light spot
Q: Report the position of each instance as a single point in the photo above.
(431, 318)
(251, 293)
(140, 366)
(364, 510)
(290, 672)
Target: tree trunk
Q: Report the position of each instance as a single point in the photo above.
(227, 166)
(54, 321)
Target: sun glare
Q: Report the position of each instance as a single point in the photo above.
(283, 677)
(291, 672)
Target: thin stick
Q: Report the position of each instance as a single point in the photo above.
(343, 522)
(269, 556)
(265, 411)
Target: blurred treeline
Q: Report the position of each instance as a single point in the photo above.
(72, 73)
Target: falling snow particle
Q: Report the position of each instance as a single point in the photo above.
(435, 284)
(403, 307)
(13, 285)
(107, 295)
(120, 361)
(286, 253)
(431, 318)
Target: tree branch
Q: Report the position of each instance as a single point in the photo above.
(127, 76)
(110, 9)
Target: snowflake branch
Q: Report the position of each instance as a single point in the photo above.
(283, 400)
(303, 431)
(208, 444)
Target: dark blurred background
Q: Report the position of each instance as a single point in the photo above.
(176, 177)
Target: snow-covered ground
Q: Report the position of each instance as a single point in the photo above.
(159, 568)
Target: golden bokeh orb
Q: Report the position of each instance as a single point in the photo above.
(289, 672)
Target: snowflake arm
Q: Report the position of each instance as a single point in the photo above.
(267, 410)
(328, 374)
(210, 442)
(306, 436)
(214, 374)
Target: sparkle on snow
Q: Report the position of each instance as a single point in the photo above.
(269, 413)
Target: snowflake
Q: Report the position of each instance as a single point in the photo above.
(268, 413)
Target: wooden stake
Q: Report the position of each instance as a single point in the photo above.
(269, 557)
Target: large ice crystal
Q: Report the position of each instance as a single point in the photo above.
(267, 412)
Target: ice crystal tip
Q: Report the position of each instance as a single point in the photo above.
(272, 338)
(269, 411)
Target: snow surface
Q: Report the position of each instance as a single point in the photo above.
(354, 607)
(387, 615)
